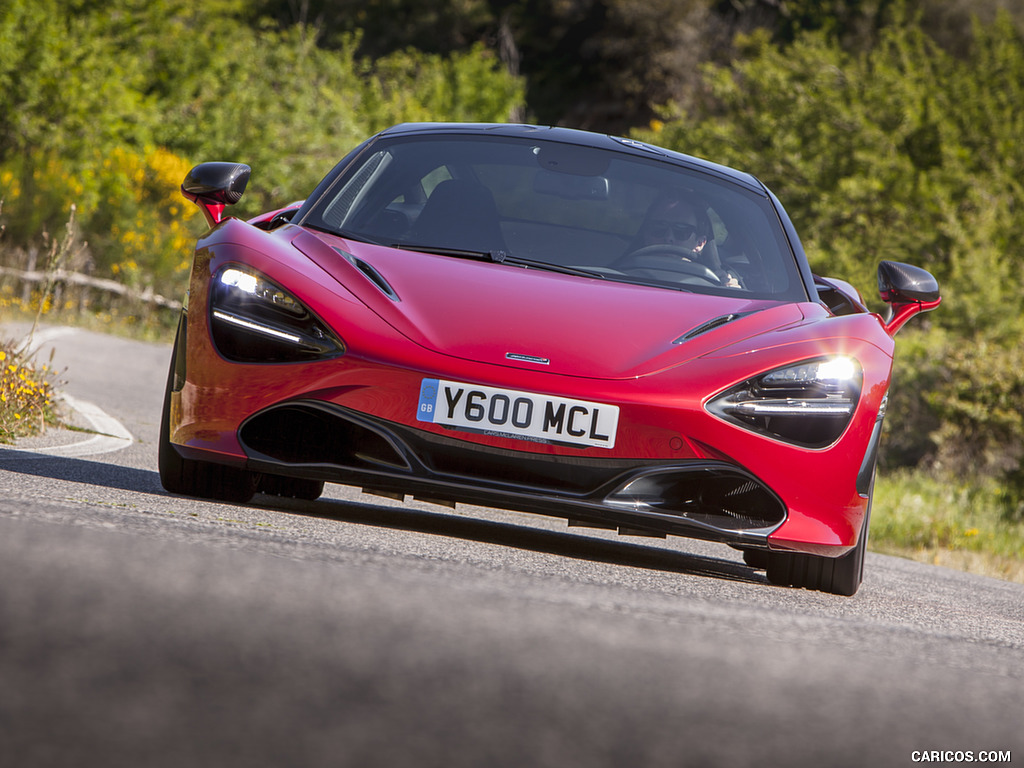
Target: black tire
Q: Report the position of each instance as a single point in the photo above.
(291, 487)
(202, 479)
(838, 576)
(756, 558)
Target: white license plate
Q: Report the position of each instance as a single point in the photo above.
(522, 415)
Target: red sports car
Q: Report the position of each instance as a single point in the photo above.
(544, 320)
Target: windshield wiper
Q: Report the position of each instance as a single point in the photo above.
(459, 253)
(499, 257)
(650, 283)
(547, 265)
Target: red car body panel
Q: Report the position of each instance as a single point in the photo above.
(403, 317)
(389, 352)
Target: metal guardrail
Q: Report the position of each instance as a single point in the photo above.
(61, 277)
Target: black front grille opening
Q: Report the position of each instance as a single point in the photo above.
(522, 470)
(744, 502)
(303, 434)
(724, 499)
(541, 471)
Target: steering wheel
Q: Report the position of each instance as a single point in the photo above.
(654, 257)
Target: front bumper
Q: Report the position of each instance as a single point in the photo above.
(676, 468)
(697, 498)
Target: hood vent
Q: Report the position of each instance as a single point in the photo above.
(372, 274)
(710, 325)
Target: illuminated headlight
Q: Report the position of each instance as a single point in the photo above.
(255, 321)
(809, 404)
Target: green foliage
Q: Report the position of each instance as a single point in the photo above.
(386, 26)
(605, 64)
(409, 86)
(57, 77)
(106, 105)
(600, 64)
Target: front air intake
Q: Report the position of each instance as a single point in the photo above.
(714, 494)
(306, 433)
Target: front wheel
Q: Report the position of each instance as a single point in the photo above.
(203, 479)
(836, 575)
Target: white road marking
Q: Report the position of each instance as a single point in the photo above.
(46, 335)
(110, 434)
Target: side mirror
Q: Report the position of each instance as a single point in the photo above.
(212, 186)
(908, 290)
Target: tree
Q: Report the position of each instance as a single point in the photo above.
(608, 64)
(106, 106)
(600, 64)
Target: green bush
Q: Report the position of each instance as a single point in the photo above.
(115, 101)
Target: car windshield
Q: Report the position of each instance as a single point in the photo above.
(574, 209)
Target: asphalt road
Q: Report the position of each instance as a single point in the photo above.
(139, 629)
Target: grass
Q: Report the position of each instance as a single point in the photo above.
(956, 522)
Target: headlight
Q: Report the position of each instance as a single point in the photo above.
(809, 404)
(255, 321)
